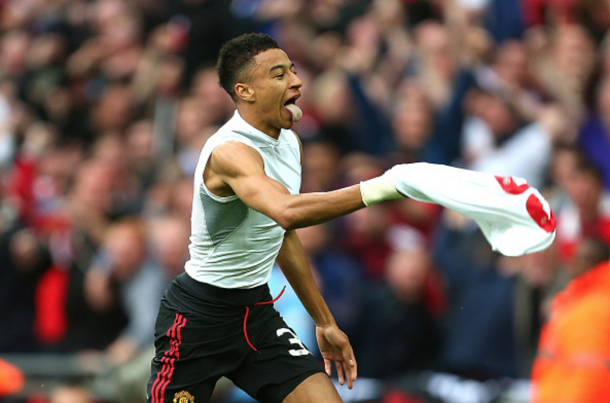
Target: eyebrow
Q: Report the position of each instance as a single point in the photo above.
(280, 66)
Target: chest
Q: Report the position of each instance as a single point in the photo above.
(283, 163)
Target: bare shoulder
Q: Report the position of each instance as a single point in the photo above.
(234, 158)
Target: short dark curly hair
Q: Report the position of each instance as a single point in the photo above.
(237, 55)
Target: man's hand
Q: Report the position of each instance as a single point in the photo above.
(335, 346)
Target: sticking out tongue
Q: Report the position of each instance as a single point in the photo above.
(295, 111)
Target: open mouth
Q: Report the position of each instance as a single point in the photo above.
(295, 112)
(291, 100)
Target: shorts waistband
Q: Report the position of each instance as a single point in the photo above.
(231, 296)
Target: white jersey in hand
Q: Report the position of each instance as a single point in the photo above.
(513, 216)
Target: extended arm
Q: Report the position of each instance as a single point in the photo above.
(334, 344)
(235, 168)
(511, 225)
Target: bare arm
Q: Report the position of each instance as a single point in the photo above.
(334, 344)
(293, 262)
(235, 168)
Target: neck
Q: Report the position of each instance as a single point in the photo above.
(254, 120)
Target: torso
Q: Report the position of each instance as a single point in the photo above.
(233, 246)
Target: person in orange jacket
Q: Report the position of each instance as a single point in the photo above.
(11, 379)
(573, 361)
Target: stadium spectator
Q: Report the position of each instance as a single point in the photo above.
(479, 340)
(321, 170)
(338, 275)
(364, 231)
(24, 262)
(587, 212)
(572, 359)
(594, 138)
(169, 243)
(11, 379)
(539, 278)
(402, 313)
(124, 274)
(412, 122)
(71, 393)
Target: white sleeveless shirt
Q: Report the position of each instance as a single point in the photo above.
(232, 245)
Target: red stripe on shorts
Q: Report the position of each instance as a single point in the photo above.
(165, 375)
(161, 375)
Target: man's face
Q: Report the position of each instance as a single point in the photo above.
(274, 84)
(588, 254)
(584, 190)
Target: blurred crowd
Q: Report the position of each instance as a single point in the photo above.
(105, 105)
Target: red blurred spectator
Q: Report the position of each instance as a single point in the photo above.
(587, 213)
(538, 12)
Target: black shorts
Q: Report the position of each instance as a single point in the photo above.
(200, 336)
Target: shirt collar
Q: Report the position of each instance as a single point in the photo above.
(240, 125)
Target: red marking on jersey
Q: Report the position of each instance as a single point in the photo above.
(536, 211)
(509, 185)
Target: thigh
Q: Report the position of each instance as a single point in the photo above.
(316, 388)
(191, 354)
(280, 363)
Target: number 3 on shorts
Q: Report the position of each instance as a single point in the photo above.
(294, 340)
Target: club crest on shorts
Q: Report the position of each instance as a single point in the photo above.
(184, 397)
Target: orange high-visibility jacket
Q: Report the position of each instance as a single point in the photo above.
(573, 362)
(11, 378)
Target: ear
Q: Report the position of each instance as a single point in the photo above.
(245, 92)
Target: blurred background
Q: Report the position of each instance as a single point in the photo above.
(105, 105)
